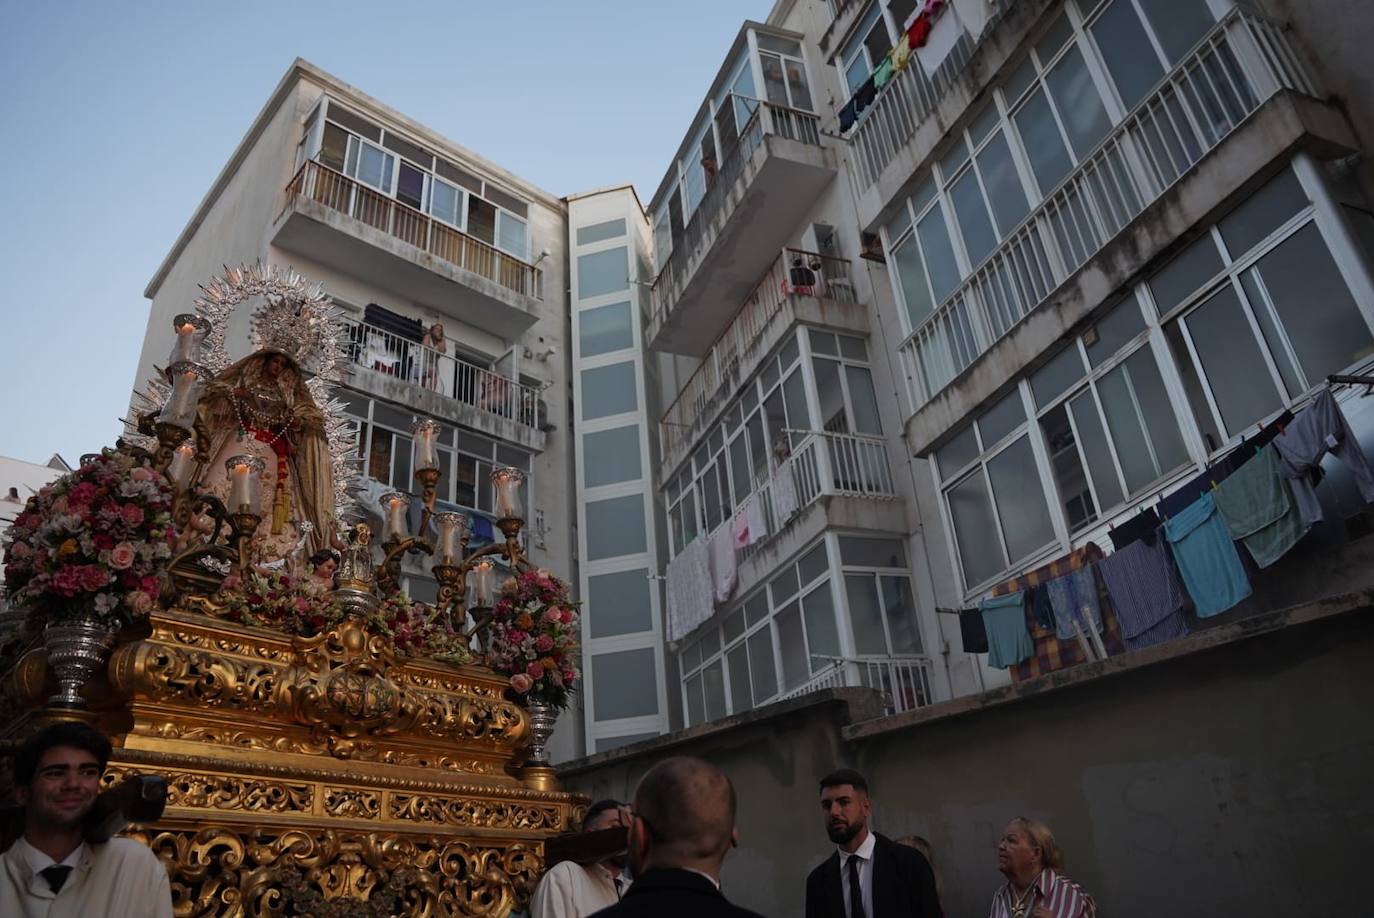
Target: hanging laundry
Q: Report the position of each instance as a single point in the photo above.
(1073, 598)
(1039, 608)
(689, 589)
(1144, 525)
(945, 32)
(1004, 617)
(1145, 591)
(1257, 505)
(723, 566)
(901, 54)
(972, 632)
(481, 528)
(864, 95)
(848, 116)
(882, 73)
(784, 488)
(1319, 430)
(919, 31)
(749, 525)
(1207, 559)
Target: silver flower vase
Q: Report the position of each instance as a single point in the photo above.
(543, 717)
(77, 650)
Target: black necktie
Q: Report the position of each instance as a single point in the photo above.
(856, 893)
(56, 875)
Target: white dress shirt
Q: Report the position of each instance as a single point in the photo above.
(865, 855)
(119, 878)
(571, 890)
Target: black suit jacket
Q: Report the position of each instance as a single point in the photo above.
(671, 893)
(903, 884)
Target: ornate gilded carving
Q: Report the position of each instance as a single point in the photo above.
(352, 802)
(227, 792)
(473, 813)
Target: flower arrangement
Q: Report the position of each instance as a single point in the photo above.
(534, 637)
(92, 543)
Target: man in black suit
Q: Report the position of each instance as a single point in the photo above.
(869, 875)
(682, 827)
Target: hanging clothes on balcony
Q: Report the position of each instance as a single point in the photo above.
(1207, 558)
(882, 73)
(864, 95)
(1074, 600)
(1257, 505)
(689, 590)
(1145, 592)
(1004, 618)
(972, 632)
(942, 35)
(1319, 430)
(749, 525)
(1144, 525)
(784, 489)
(723, 566)
(901, 54)
(848, 116)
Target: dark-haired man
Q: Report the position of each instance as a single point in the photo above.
(682, 827)
(869, 875)
(51, 872)
(572, 890)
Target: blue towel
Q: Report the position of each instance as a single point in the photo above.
(1258, 508)
(481, 528)
(1009, 642)
(1206, 557)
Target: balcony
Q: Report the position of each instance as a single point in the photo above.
(1239, 65)
(765, 185)
(356, 229)
(903, 680)
(408, 373)
(798, 286)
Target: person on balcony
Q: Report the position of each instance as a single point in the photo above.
(52, 871)
(433, 346)
(1036, 887)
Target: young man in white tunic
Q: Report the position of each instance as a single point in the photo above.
(572, 890)
(52, 872)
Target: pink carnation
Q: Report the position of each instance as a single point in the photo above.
(133, 514)
(535, 670)
(122, 555)
(569, 677)
(553, 615)
(93, 577)
(544, 643)
(521, 683)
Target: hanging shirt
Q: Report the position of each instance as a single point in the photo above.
(1144, 525)
(784, 488)
(919, 32)
(1145, 592)
(723, 568)
(1073, 598)
(864, 95)
(1004, 617)
(882, 73)
(1257, 505)
(1207, 559)
(972, 632)
(901, 53)
(848, 116)
(749, 525)
(1319, 430)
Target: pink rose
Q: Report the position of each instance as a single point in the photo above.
(133, 514)
(553, 615)
(544, 643)
(535, 670)
(19, 550)
(569, 676)
(93, 577)
(521, 683)
(122, 555)
(140, 603)
(142, 473)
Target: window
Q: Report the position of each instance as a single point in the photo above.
(605, 329)
(611, 456)
(618, 603)
(624, 684)
(848, 401)
(600, 232)
(370, 165)
(784, 79)
(866, 48)
(615, 527)
(603, 272)
(510, 235)
(609, 390)
(446, 202)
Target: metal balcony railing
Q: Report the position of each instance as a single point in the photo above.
(794, 273)
(1244, 60)
(767, 118)
(414, 364)
(903, 680)
(318, 182)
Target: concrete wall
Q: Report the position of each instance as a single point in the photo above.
(1226, 774)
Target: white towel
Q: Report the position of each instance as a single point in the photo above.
(689, 590)
(723, 568)
(784, 488)
(750, 526)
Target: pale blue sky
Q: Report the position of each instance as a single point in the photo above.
(117, 117)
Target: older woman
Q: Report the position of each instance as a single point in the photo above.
(1036, 887)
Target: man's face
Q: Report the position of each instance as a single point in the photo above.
(608, 819)
(845, 809)
(64, 788)
(1016, 852)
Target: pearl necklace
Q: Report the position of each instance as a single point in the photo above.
(250, 417)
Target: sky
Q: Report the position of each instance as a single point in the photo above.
(116, 118)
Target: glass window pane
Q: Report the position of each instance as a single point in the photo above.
(1044, 144)
(1001, 419)
(1020, 80)
(1185, 274)
(953, 158)
(756, 608)
(696, 702)
(784, 586)
(853, 348)
(1055, 377)
(797, 85)
(603, 272)
(1092, 442)
(911, 277)
(1114, 329)
(974, 223)
(813, 564)
(1130, 58)
(900, 609)
(624, 684)
(607, 743)
(600, 232)
(733, 626)
(1005, 193)
(773, 83)
(481, 222)
(822, 342)
(1319, 315)
(793, 647)
(713, 681)
(831, 395)
(939, 253)
(1178, 24)
(1020, 498)
(957, 453)
(761, 665)
(605, 329)
(872, 552)
(1070, 478)
(740, 469)
(1192, 385)
(710, 499)
(334, 146)
(510, 235)
(1161, 424)
(618, 603)
(980, 555)
(739, 679)
(822, 635)
(1240, 382)
(608, 390)
(615, 527)
(794, 394)
(1263, 311)
(1055, 37)
(1079, 105)
(864, 399)
(1128, 433)
(865, 614)
(610, 456)
(1262, 213)
(445, 201)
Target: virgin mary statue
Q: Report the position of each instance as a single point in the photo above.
(260, 406)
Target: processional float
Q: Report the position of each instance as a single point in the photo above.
(329, 746)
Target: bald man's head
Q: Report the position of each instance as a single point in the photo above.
(687, 815)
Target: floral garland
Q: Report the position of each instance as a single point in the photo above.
(271, 599)
(92, 543)
(534, 637)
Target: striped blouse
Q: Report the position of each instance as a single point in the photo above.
(1062, 897)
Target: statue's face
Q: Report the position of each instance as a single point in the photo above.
(275, 364)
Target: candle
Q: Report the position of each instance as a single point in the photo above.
(191, 331)
(507, 482)
(187, 381)
(394, 506)
(179, 471)
(452, 529)
(426, 432)
(483, 577)
(244, 483)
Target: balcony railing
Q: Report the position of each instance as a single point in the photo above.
(414, 364)
(318, 182)
(904, 681)
(767, 118)
(1239, 64)
(794, 273)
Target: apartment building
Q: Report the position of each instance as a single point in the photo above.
(970, 313)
